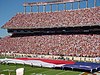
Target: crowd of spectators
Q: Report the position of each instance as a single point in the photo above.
(69, 18)
(71, 45)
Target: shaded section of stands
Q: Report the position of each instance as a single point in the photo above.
(60, 30)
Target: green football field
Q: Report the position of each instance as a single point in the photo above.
(11, 69)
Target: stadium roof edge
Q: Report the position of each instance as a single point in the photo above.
(55, 11)
(51, 2)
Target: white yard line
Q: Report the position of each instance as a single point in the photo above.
(41, 72)
(61, 73)
(33, 69)
(45, 71)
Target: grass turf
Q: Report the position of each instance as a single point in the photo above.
(34, 70)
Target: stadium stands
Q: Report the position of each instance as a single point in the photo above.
(72, 18)
(87, 45)
(67, 33)
(71, 45)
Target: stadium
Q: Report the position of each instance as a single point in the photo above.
(61, 42)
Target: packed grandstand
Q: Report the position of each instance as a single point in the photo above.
(60, 33)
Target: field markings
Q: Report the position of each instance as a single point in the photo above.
(33, 69)
(8, 67)
(61, 73)
(45, 71)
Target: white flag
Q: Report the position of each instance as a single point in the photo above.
(20, 71)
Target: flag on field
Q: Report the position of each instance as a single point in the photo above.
(51, 63)
(20, 71)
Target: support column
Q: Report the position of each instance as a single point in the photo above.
(72, 5)
(86, 3)
(94, 3)
(57, 7)
(78, 4)
(51, 7)
(31, 9)
(38, 8)
(65, 6)
(44, 8)
(25, 9)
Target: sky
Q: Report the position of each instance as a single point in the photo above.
(9, 8)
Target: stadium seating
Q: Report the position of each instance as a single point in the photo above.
(71, 45)
(70, 18)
